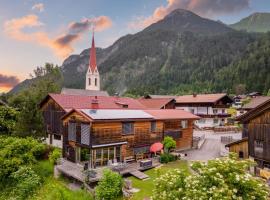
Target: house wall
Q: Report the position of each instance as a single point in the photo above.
(259, 132)
(52, 114)
(106, 132)
(209, 118)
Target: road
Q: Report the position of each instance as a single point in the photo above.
(211, 148)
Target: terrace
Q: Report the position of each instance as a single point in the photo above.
(77, 172)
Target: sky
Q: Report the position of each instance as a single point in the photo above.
(34, 32)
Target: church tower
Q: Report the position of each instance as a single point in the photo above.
(92, 75)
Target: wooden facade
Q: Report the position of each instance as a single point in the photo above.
(256, 125)
(52, 114)
(107, 140)
(239, 147)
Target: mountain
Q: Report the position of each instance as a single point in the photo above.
(182, 21)
(182, 53)
(257, 22)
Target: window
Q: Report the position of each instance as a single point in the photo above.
(191, 110)
(127, 128)
(184, 123)
(201, 121)
(258, 147)
(215, 121)
(72, 131)
(215, 111)
(95, 81)
(223, 111)
(57, 137)
(153, 126)
(89, 81)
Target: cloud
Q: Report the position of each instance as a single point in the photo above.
(8, 81)
(39, 7)
(205, 8)
(62, 45)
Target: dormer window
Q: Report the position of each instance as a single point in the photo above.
(89, 81)
(95, 81)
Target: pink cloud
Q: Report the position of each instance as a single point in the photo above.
(62, 45)
(205, 8)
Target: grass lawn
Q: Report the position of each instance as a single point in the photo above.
(54, 189)
(147, 186)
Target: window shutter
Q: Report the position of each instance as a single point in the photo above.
(72, 131)
(85, 134)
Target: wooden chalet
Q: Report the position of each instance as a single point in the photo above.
(54, 106)
(256, 126)
(103, 135)
(212, 108)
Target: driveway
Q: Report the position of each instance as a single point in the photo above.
(212, 147)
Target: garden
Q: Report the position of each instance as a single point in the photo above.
(26, 172)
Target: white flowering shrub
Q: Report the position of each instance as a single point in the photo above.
(219, 179)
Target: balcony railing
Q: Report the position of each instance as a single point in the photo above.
(220, 115)
(139, 136)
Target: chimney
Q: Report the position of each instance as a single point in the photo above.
(194, 95)
(94, 103)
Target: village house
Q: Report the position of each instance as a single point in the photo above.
(54, 106)
(116, 135)
(212, 108)
(254, 102)
(256, 127)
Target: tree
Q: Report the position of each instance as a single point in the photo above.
(8, 117)
(240, 89)
(220, 179)
(110, 186)
(268, 93)
(169, 143)
(47, 79)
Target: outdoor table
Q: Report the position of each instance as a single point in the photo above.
(145, 163)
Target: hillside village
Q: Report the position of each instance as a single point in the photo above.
(62, 142)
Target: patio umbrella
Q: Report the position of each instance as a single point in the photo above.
(156, 147)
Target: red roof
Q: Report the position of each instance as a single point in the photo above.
(200, 98)
(93, 60)
(155, 103)
(91, 102)
(171, 114)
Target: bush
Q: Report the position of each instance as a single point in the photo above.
(169, 143)
(166, 157)
(55, 155)
(16, 152)
(222, 178)
(27, 181)
(110, 186)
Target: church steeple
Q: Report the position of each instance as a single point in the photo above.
(92, 75)
(93, 60)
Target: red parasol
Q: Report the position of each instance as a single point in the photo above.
(156, 147)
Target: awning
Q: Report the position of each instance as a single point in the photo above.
(108, 145)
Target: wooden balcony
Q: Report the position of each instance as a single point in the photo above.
(217, 115)
(139, 136)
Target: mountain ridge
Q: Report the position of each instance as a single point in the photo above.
(256, 22)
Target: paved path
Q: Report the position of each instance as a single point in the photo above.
(211, 148)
